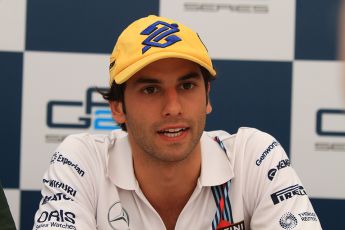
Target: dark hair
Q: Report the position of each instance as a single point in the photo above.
(117, 92)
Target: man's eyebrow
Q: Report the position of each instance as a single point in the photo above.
(152, 80)
(147, 80)
(191, 75)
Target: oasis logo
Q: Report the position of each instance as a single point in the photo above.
(281, 164)
(57, 215)
(227, 7)
(102, 119)
(287, 193)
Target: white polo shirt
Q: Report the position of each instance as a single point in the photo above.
(90, 184)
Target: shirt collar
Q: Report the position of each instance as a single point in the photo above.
(215, 165)
(120, 164)
(216, 168)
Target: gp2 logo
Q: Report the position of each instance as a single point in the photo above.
(102, 117)
(320, 130)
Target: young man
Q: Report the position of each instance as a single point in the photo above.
(164, 171)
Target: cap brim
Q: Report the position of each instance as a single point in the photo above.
(128, 72)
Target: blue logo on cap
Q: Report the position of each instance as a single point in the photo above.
(156, 35)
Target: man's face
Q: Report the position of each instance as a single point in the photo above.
(165, 110)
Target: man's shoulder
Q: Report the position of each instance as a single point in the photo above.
(242, 133)
(88, 144)
(246, 141)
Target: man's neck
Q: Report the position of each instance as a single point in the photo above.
(168, 185)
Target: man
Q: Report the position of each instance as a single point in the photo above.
(6, 220)
(163, 171)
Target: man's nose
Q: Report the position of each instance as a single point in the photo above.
(171, 103)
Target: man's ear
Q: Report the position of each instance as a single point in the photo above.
(117, 112)
(208, 106)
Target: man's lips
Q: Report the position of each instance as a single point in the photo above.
(173, 132)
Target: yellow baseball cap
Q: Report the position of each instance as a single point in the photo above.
(153, 38)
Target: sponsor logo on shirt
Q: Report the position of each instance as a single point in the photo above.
(287, 193)
(58, 184)
(57, 157)
(308, 216)
(235, 226)
(282, 164)
(118, 217)
(56, 218)
(55, 197)
(288, 221)
(54, 157)
(266, 152)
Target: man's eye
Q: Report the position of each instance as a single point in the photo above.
(187, 85)
(150, 90)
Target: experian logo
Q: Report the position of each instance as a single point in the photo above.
(226, 7)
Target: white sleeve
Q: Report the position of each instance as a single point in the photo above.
(69, 194)
(273, 193)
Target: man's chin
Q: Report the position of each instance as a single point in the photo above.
(175, 152)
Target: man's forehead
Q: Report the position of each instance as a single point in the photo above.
(142, 79)
(167, 64)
